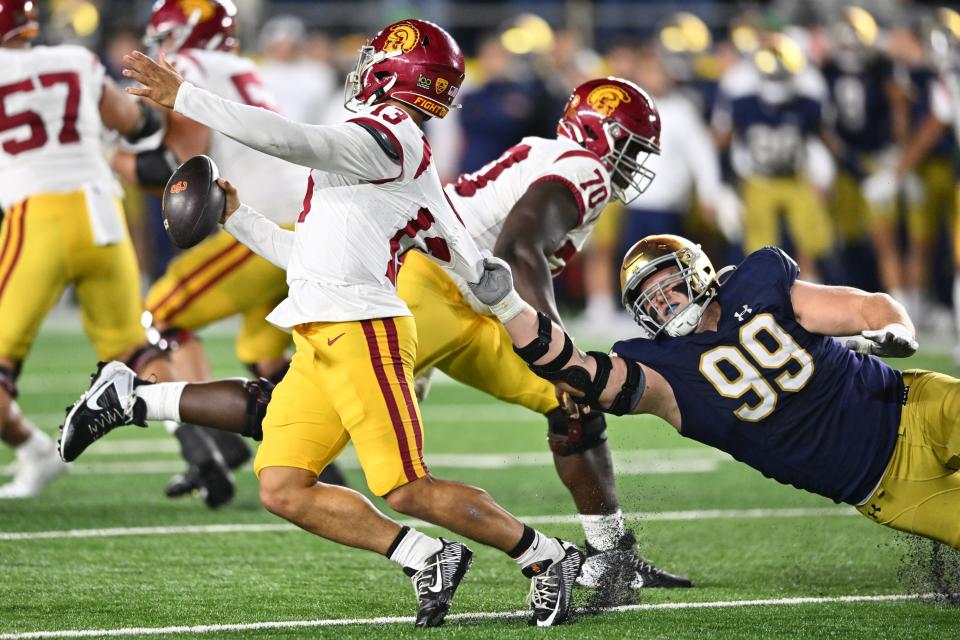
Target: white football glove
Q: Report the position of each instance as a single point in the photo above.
(893, 341)
(881, 188)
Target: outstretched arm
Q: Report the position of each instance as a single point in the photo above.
(345, 149)
(880, 320)
(607, 383)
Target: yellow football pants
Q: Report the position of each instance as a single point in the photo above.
(766, 199)
(470, 347)
(46, 243)
(920, 490)
(217, 279)
(348, 381)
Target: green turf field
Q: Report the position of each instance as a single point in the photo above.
(71, 562)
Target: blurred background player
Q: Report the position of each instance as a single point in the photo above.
(304, 87)
(768, 112)
(869, 115)
(220, 277)
(62, 219)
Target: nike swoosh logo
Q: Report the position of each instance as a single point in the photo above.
(92, 400)
(437, 585)
(330, 341)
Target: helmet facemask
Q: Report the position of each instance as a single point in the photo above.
(353, 86)
(651, 306)
(629, 175)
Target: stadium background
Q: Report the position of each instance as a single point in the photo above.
(102, 548)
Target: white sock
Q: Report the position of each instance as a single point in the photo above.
(414, 549)
(162, 400)
(37, 445)
(604, 531)
(542, 548)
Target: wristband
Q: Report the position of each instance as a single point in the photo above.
(508, 308)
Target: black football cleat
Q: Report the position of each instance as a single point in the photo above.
(184, 484)
(622, 564)
(551, 587)
(436, 582)
(108, 403)
(216, 483)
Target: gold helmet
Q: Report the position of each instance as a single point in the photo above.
(652, 254)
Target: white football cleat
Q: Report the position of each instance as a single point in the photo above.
(32, 475)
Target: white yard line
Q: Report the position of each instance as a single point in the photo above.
(647, 516)
(626, 462)
(479, 615)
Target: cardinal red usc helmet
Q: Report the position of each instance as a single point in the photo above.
(413, 61)
(618, 121)
(18, 19)
(193, 24)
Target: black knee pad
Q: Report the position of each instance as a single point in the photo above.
(568, 436)
(275, 378)
(8, 380)
(144, 356)
(172, 338)
(258, 397)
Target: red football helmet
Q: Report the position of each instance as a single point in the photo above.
(618, 121)
(193, 24)
(413, 61)
(18, 19)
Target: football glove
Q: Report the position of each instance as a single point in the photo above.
(893, 341)
(495, 289)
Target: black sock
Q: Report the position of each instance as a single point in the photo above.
(525, 541)
(396, 541)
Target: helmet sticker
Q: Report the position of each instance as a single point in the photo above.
(606, 98)
(441, 85)
(205, 8)
(402, 37)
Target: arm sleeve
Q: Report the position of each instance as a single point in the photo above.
(261, 235)
(345, 149)
(582, 173)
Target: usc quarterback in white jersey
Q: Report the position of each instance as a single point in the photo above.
(373, 193)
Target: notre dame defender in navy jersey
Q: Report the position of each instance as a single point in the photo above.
(749, 367)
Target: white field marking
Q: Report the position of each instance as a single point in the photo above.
(478, 615)
(629, 462)
(641, 516)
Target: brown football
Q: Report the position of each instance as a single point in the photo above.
(193, 202)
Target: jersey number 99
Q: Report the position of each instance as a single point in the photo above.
(748, 377)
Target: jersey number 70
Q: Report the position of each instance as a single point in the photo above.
(748, 377)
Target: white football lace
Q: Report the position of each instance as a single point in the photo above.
(447, 561)
(545, 590)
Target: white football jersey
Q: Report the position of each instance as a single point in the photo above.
(50, 124)
(362, 209)
(484, 199)
(272, 186)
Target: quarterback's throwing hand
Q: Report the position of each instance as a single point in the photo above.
(496, 281)
(893, 341)
(160, 80)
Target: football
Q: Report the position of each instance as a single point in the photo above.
(193, 202)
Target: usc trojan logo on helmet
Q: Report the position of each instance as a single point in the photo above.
(606, 98)
(205, 8)
(402, 37)
(441, 85)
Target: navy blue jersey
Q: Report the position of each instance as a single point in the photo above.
(862, 105)
(798, 407)
(774, 136)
